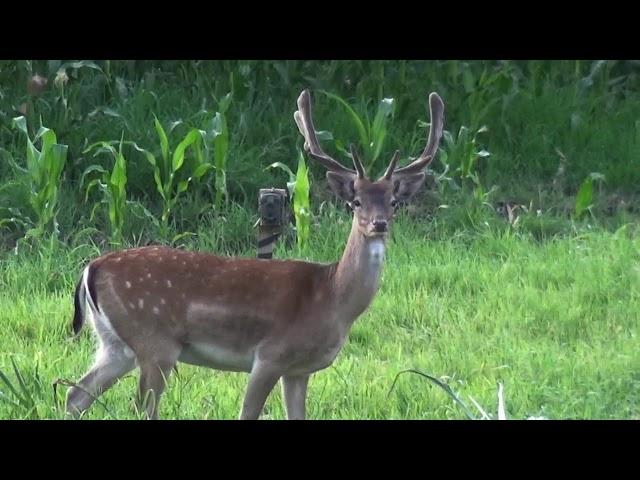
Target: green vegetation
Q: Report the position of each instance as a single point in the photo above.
(518, 265)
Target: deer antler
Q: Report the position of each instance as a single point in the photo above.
(303, 120)
(436, 108)
(356, 161)
(392, 166)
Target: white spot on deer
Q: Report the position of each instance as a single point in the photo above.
(141, 303)
(183, 296)
(117, 259)
(140, 279)
(174, 257)
(127, 284)
(162, 301)
(169, 283)
(147, 293)
(148, 275)
(184, 263)
(132, 306)
(156, 310)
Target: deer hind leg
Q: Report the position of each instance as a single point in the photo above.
(113, 361)
(294, 389)
(154, 374)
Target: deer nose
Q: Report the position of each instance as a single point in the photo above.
(380, 225)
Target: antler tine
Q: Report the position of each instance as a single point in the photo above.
(356, 161)
(392, 166)
(436, 107)
(304, 122)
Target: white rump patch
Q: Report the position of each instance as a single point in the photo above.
(110, 343)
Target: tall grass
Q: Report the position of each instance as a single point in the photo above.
(113, 186)
(299, 190)
(171, 179)
(220, 139)
(41, 177)
(371, 133)
(531, 111)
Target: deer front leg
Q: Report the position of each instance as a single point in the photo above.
(262, 379)
(294, 389)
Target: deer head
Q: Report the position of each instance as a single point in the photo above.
(374, 203)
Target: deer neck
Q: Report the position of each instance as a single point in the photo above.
(357, 274)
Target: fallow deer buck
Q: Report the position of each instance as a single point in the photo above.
(274, 319)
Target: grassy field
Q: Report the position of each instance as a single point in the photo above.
(544, 303)
(552, 321)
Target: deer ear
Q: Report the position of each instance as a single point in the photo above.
(406, 186)
(342, 184)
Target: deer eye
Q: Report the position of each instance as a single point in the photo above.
(394, 203)
(356, 203)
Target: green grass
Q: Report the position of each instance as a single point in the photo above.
(552, 320)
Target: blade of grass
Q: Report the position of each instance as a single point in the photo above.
(441, 384)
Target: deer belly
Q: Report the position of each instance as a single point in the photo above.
(217, 357)
(315, 359)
